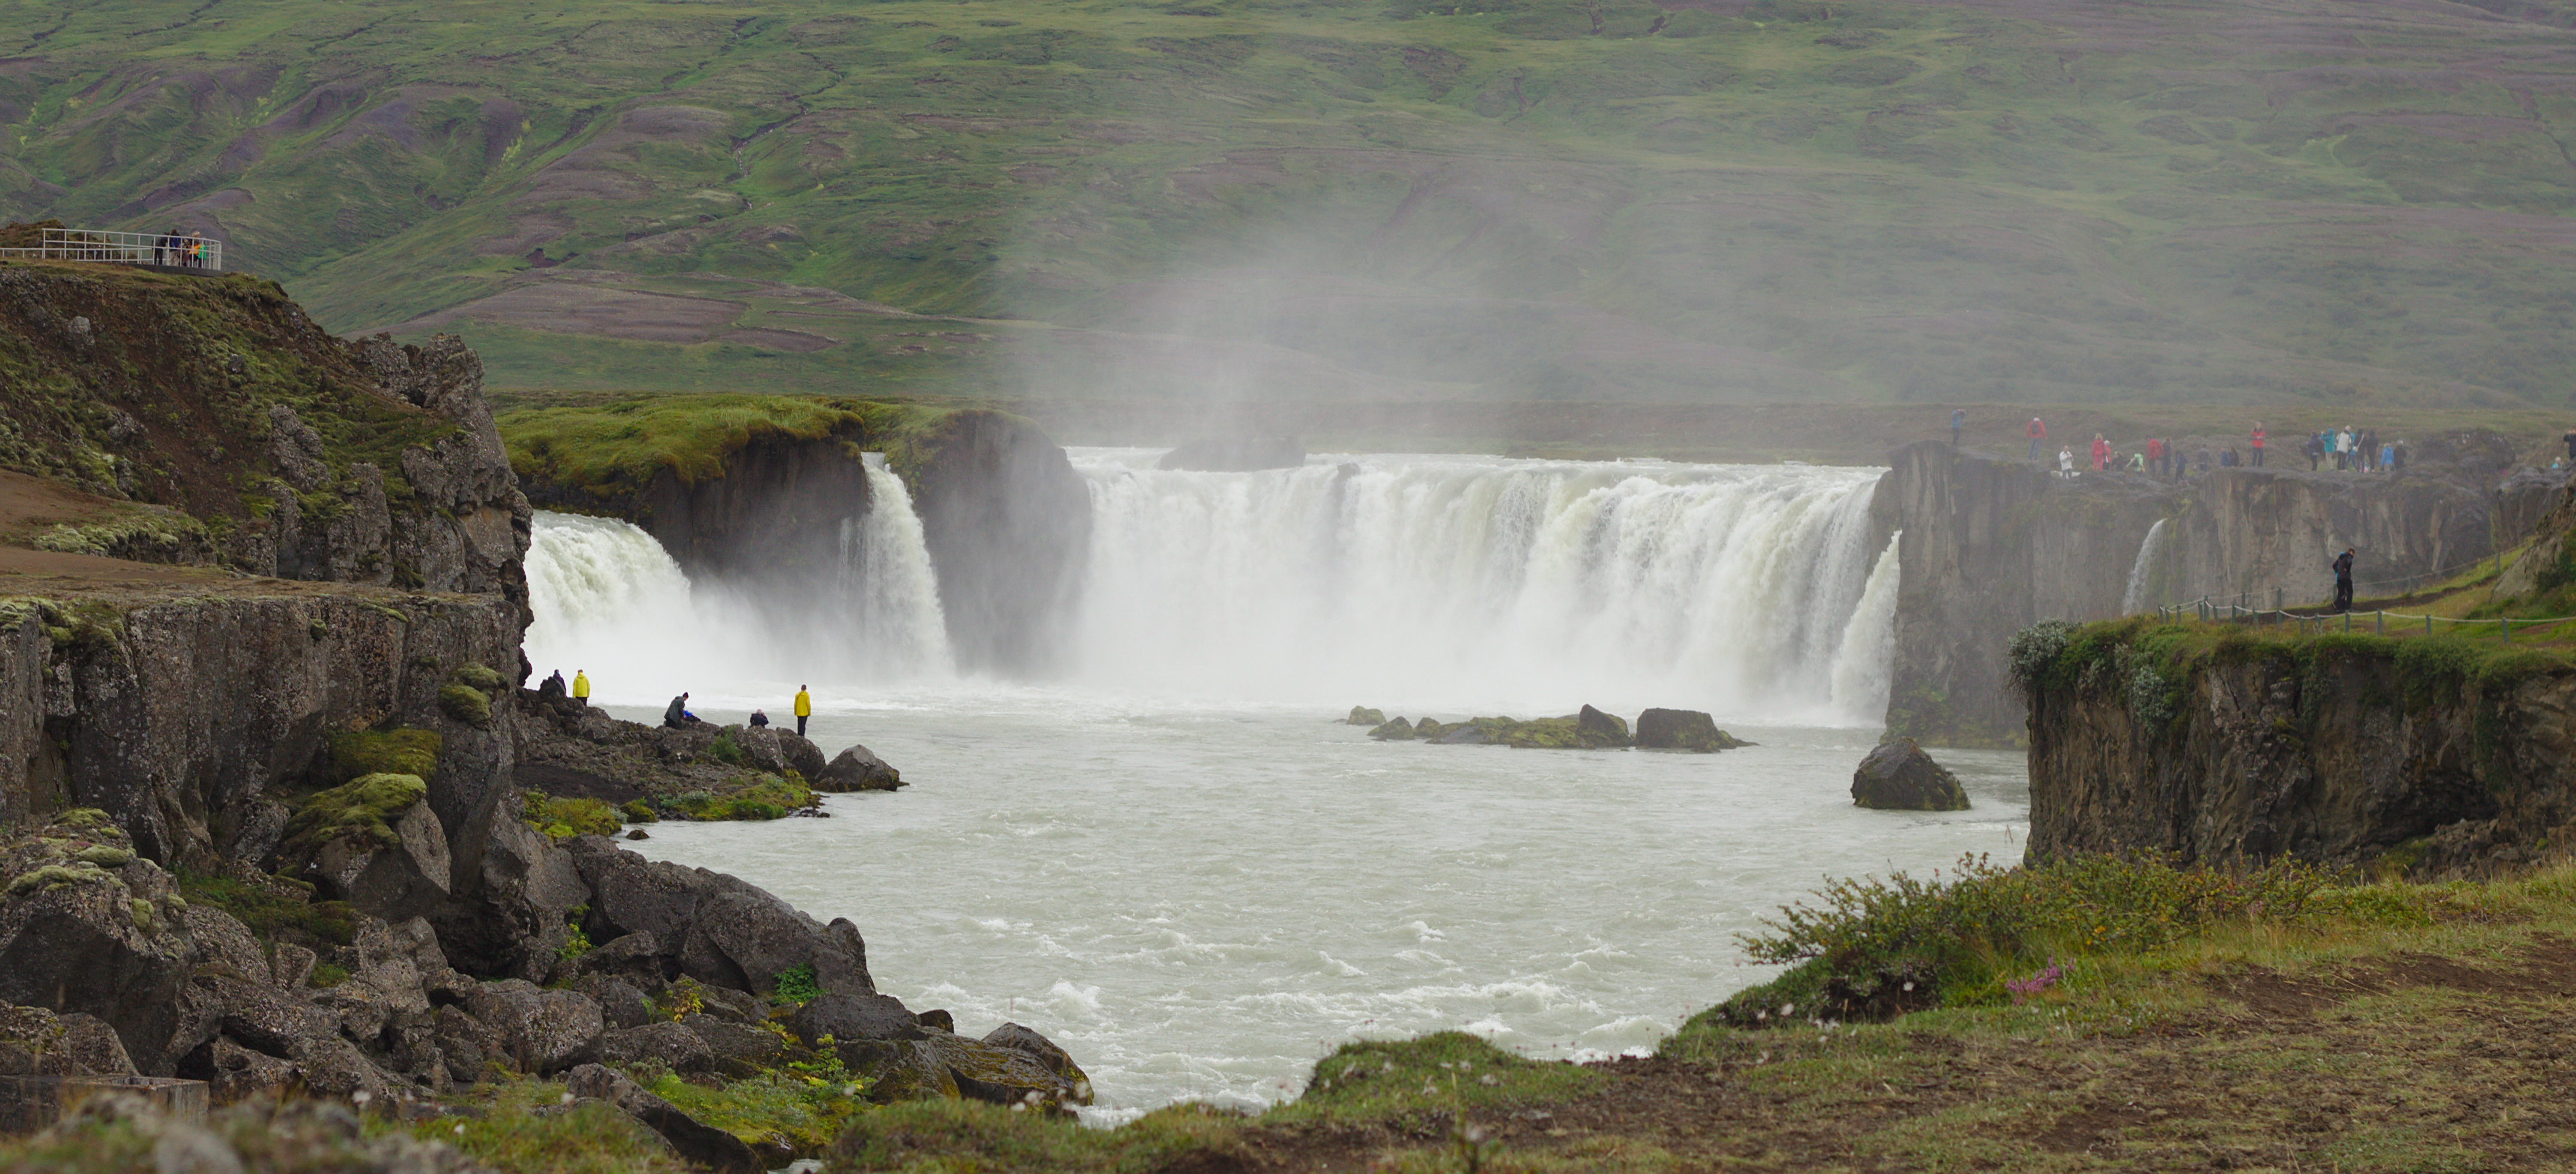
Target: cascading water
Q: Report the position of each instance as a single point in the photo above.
(2142, 572)
(607, 599)
(1468, 581)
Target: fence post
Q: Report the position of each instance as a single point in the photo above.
(2276, 599)
(2428, 623)
(2380, 624)
(2505, 626)
(2347, 622)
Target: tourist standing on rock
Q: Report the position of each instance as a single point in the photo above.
(580, 687)
(2316, 451)
(2101, 452)
(2156, 455)
(2343, 580)
(678, 714)
(1958, 420)
(2038, 434)
(804, 709)
(2571, 444)
(2258, 444)
(2066, 462)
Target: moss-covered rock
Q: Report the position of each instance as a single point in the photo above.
(1363, 716)
(465, 703)
(401, 751)
(1683, 729)
(1397, 730)
(363, 807)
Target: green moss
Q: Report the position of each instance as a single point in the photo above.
(1420, 1083)
(105, 856)
(564, 819)
(476, 675)
(620, 447)
(725, 750)
(519, 1126)
(751, 797)
(55, 876)
(272, 916)
(363, 807)
(801, 1112)
(795, 985)
(404, 750)
(638, 811)
(465, 703)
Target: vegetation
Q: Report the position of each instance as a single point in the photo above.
(523, 1128)
(403, 750)
(801, 1107)
(360, 808)
(563, 819)
(750, 796)
(1878, 200)
(276, 909)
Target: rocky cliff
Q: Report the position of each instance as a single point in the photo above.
(2437, 755)
(271, 446)
(760, 492)
(1992, 545)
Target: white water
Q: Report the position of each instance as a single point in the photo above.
(2142, 572)
(1175, 866)
(1484, 581)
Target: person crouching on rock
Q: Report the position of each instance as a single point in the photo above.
(678, 715)
(758, 719)
(2343, 580)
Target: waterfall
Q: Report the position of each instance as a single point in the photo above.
(2142, 572)
(1467, 581)
(887, 579)
(608, 599)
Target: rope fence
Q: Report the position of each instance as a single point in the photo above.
(128, 248)
(2317, 623)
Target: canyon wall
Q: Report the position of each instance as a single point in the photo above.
(1992, 545)
(1008, 523)
(2430, 756)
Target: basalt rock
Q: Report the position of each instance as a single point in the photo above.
(1599, 730)
(848, 1018)
(1899, 776)
(1008, 524)
(858, 769)
(37, 1042)
(713, 927)
(88, 926)
(1361, 716)
(1006, 1075)
(1396, 730)
(540, 1030)
(1683, 729)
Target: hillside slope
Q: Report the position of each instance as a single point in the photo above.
(1687, 200)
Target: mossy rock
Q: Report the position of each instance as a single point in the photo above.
(365, 806)
(476, 675)
(565, 819)
(467, 704)
(402, 751)
(1362, 716)
(1398, 730)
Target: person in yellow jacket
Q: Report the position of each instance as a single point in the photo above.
(804, 709)
(581, 686)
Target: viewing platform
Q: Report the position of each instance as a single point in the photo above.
(161, 252)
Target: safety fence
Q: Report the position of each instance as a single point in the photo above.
(127, 248)
(2320, 622)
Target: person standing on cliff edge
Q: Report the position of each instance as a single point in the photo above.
(2343, 580)
(2258, 444)
(1958, 419)
(581, 687)
(2038, 434)
(804, 709)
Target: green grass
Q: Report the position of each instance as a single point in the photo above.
(315, 925)
(524, 1129)
(622, 446)
(562, 819)
(1886, 201)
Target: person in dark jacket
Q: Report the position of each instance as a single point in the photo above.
(2343, 580)
(678, 714)
(758, 719)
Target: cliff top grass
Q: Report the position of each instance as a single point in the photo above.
(606, 446)
(2132, 1018)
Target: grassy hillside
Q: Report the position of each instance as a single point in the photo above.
(1685, 201)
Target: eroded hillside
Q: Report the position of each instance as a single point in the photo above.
(1696, 199)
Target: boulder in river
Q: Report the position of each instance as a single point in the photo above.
(1398, 730)
(858, 769)
(1899, 776)
(1600, 731)
(1363, 716)
(1683, 729)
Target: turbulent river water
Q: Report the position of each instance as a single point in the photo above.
(1174, 863)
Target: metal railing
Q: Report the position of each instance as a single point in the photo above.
(2317, 623)
(128, 248)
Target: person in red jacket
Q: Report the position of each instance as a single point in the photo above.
(2156, 455)
(2038, 434)
(2258, 444)
(2101, 452)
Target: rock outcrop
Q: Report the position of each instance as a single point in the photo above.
(2344, 750)
(1899, 776)
(1683, 729)
(703, 771)
(858, 768)
(1991, 546)
(1008, 524)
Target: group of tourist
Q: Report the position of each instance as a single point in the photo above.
(2161, 457)
(188, 252)
(676, 715)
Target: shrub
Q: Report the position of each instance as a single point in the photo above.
(272, 916)
(725, 750)
(638, 811)
(1876, 948)
(2034, 650)
(796, 985)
